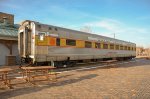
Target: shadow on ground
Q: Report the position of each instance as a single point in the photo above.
(22, 91)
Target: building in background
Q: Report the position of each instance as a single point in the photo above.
(8, 39)
(142, 52)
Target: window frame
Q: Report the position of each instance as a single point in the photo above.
(88, 44)
(39, 36)
(121, 47)
(104, 46)
(112, 45)
(116, 47)
(97, 45)
(57, 41)
(70, 42)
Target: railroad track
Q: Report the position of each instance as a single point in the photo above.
(94, 65)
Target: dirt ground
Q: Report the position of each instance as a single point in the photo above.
(128, 81)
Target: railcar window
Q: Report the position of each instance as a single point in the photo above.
(88, 44)
(129, 48)
(41, 36)
(58, 41)
(117, 47)
(111, 46)
(105, 46)
(125, 48)
(97, 45)
(50, 28)
(70, 42)
(39, 26)
(121, 47)
(132, 48)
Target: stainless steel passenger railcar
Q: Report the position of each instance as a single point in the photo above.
(41, 43)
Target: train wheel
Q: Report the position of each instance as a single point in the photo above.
(22, 61)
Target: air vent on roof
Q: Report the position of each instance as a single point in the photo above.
(39, 26)
(55, 29)
(50, 28)
(5, 20)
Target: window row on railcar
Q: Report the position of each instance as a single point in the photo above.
(55, 41)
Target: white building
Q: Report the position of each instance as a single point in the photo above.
(8, 39)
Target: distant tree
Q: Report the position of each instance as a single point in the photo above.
(86, 29)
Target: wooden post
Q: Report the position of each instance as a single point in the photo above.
(8, 44)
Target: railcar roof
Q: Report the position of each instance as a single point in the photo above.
(79, 32)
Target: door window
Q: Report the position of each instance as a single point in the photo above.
(41, 36)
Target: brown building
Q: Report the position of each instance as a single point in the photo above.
(8, 39)
(6, 18)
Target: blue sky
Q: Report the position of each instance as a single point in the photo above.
(128, 19)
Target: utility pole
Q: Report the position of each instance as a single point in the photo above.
(114, 36)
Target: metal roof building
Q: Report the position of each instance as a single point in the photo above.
(8, 39)
(8, 32)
